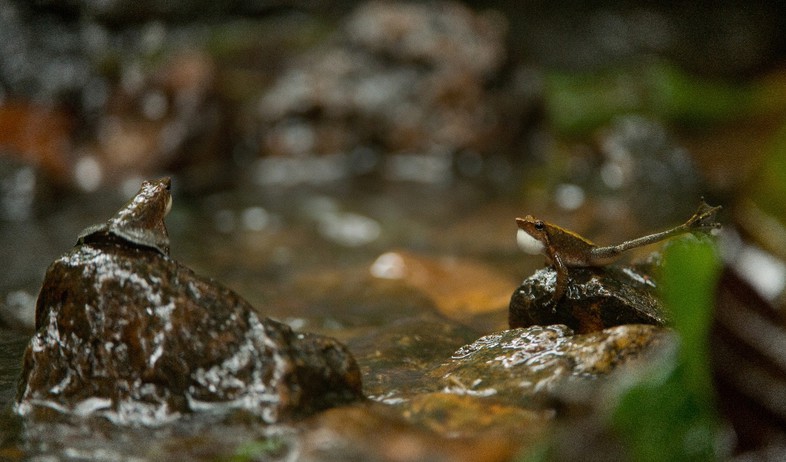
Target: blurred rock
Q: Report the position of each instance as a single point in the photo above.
(93, 105)
(651, 176)
(525, 366)
(164, 119)
(403, 78)
(126, 332)
(596, 298)
(46, 59)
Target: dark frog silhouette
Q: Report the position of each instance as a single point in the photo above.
(140, 222)
(126, 332)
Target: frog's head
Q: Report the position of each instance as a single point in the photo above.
(531, 236)
(148, 207)
(141, 221)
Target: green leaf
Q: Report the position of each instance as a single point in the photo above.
(258, 449)
(577, 103)
(670, 415)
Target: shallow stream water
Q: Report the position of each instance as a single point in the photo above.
(404, 273)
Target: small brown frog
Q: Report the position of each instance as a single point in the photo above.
(565, 249)
(139, 222)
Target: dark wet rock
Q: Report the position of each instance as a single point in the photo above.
(403, 78)
(596, 298)
(126, 332)
(526, 366)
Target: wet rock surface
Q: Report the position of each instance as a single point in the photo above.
(596, 298)
(126, 332)
(525, 366)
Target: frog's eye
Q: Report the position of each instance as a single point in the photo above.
(539, 225)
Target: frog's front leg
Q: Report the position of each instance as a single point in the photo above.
(563, 278)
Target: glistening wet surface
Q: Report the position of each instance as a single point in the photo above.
(322, 261)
